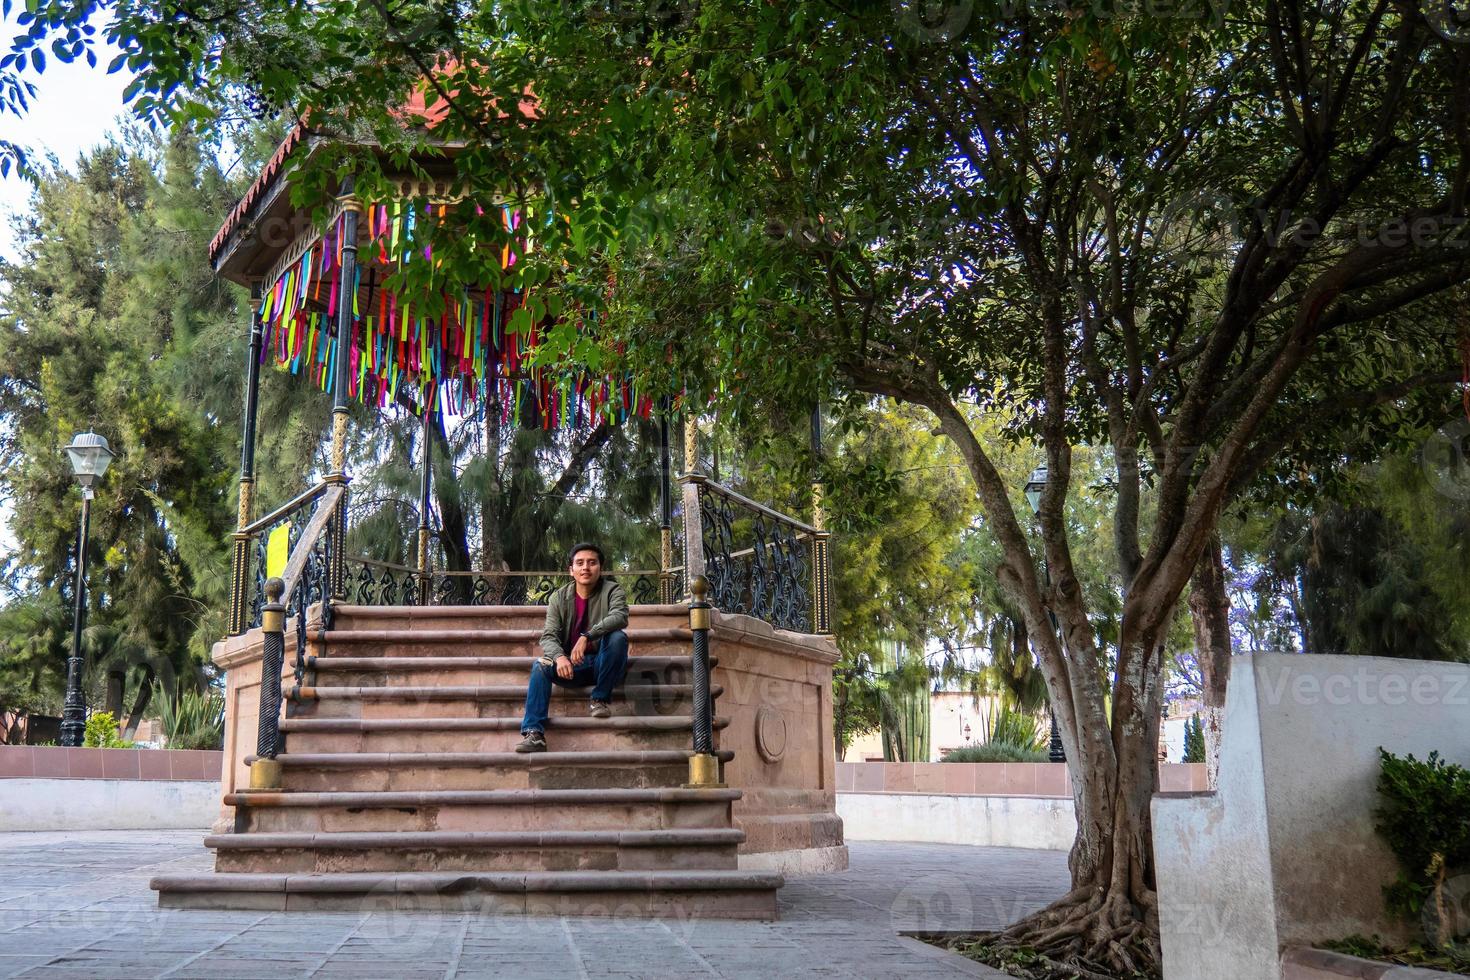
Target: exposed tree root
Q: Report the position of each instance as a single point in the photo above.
(1089, 934)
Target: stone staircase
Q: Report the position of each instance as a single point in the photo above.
(400, 787)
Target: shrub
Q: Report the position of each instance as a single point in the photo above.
(1424, 815)
(995, 752)
(193, 720)
(101, 732)
(1018, 730)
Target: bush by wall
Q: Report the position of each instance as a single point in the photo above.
(101, 732)
(995, 752)
(1424, 815)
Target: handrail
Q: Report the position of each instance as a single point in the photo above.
(324, 512)
(745, 501)
(295, 503)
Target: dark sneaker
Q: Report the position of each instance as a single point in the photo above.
(599, 709)
(533, 742)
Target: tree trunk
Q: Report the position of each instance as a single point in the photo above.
(113, 702)
(140, 704)
(1109, 921)
(1209, 608)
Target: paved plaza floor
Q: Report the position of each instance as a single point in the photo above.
(78, 905)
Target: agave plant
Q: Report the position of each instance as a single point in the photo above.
(193, 719)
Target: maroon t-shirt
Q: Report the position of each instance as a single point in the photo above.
(579, 621)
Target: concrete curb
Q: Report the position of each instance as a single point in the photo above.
(953, 960)
(1303, 963)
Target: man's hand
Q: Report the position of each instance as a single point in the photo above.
(564, 667)
(579, 651)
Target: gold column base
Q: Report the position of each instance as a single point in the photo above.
(704, 772)
(265, 774)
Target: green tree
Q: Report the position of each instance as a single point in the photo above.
(112, 319)
(1194, 740)
(1004, 212)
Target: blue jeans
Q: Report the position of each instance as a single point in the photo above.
(602, 668)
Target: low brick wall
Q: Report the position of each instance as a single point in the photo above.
(48, 762)
(1046, 779)
(46, 788)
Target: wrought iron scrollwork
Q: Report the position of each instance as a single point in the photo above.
(296, 520)
(644, 589)
(374, 583)
(756, 564)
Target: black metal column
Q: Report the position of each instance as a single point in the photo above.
(665, 508)
(1055, 752)
(74, 708)
(265, 771)
(240, 563)
(346, 299)
(821, 567)
(704, 767)
(425, 481)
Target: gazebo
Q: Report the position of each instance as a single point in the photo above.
(370, 705)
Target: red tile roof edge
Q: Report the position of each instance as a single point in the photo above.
(267, 176)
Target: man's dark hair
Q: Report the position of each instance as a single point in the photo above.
(585, 546)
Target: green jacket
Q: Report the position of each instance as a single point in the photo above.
(607, 612)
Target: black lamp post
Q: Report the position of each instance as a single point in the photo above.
(1034, 488)
(90, 457)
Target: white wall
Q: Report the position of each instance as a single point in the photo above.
(997, 821)
(107, 804)
(1285, 853)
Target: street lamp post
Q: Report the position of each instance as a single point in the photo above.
(90, 457)
(1034, 488)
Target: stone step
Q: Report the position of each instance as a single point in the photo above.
(500, 810)
(497, 701)
(415, 618)
(566, 850)
(390, 642)
(409, 771)
(706, 894)
(343, 667)
(563, 733)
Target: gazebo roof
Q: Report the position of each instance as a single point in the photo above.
(473, 344)
(264, 223)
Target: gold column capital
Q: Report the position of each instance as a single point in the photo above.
(339, 441)
(247, 501)
(691, 444)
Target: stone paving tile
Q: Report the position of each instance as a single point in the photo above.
(78, 906)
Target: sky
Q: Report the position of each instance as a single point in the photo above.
(76, 106)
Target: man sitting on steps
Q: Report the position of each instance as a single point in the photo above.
(585, 644)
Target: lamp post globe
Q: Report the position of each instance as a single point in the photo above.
(90, 456)
(1034, 487)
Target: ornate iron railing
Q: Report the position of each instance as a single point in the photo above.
(305, 579)
(380, 583)
(252, 549)
(759, 561)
